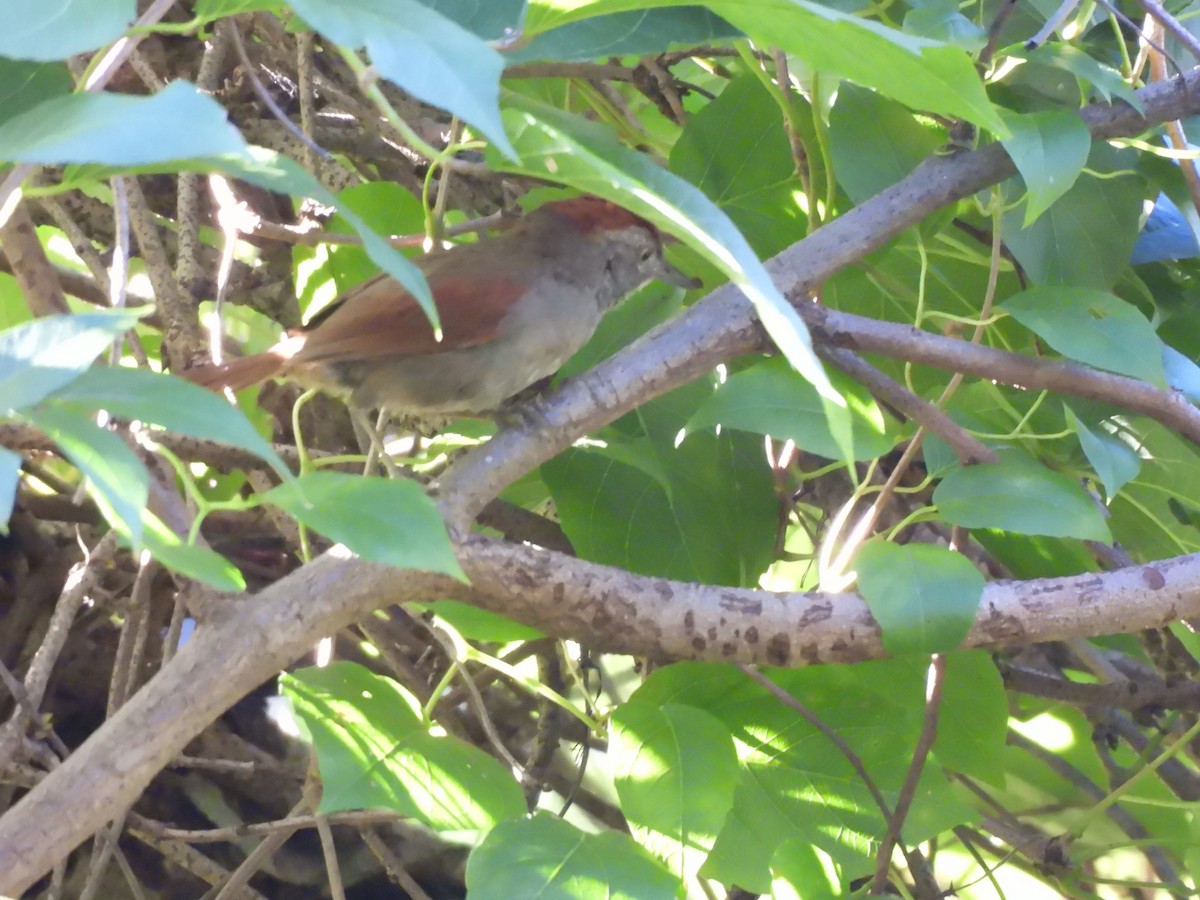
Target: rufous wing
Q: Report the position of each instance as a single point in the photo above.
(379, 319)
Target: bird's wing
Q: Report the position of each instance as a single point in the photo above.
(379, 318)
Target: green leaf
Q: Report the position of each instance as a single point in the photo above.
(382, 520)
(492, 21)
(801, 867)
(10, 474)
(1107, 81)
(39, 357)
(1092, 327)
(117, 479)
(635, 33)
(1114, 461)
(655, 518)
(1020, 494)
(795, 784)
(584, 155)
(386, 208)
(1086, 237)
(973, 721)
(171, 402)
(210, 10)
(1157, 514)
(120, 129)
(424, 53)
(771, 398)
(1049, 149)
(191, 560)
(748, 170)
(55, 29)
(23, 85)
(943, 22)
(477, 624)
(875, 142)
(548, 858)
(675, 771)
(920, 73)
(924, 597)
(375, 751)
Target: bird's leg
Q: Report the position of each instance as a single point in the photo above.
(370, 440)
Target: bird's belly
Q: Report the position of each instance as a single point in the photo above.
(473, 380)
(462, 382)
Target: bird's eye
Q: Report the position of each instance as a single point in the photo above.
(647, 254)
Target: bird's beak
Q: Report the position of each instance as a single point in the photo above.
(671, 275)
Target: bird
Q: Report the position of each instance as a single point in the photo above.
(513, 309)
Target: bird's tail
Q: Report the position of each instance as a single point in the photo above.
(239, 374)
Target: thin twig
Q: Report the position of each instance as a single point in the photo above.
(1122, 819)
(187, 858)
(214, 453)
(1056, 21)
(122, 49)
(1123, 694)
(103, 845)
(182, 330)
(799, 154)
(19, 694)
(333, 872)
(291, 824)
(968, 448)
(81, 242)
(1145, 34)
(994, 32)
(79, 585)
(1159, 13)
(934, 682)
(1175, 133)
(392, 864)
(477, 704)
(189, 271)
(268, 101)
(131, 879)
(305, 45)
(134, 631)
(836, 739)
(241, 876)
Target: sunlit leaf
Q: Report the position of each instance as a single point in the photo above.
(173, 403)
(1049, 149)
(375, 751)
(1019, 494)
(39, 357)
(1092, 327)
(924, 597)
(547, 857)
(47, 30)
(384, 520)
(423, 52)
(120, 129)
(117, 479)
